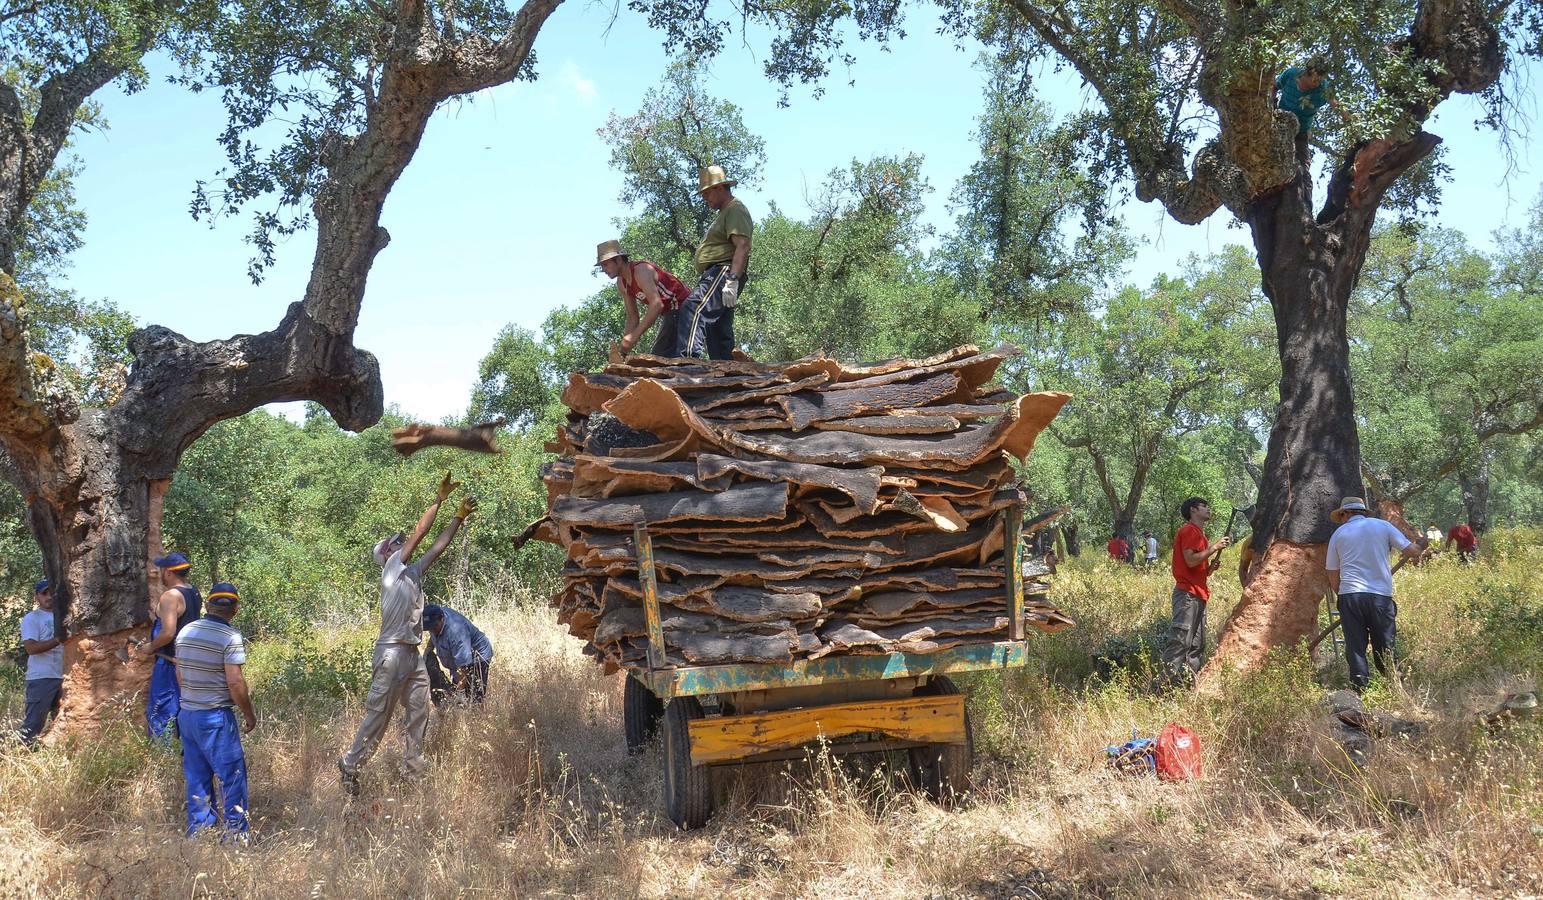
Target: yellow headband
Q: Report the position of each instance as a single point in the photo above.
(223, 594)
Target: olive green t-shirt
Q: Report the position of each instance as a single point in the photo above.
(716, 247)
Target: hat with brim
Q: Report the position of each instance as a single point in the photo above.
(608, 250)
(223, 596)
(174, 562)
(1346, 507)
(714, 176)
(41, 586)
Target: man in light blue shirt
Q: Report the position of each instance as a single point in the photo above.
(1359, 573)
(45, 663)
(462, 649)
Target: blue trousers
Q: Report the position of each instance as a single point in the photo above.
(1368, 618)
(705, 327)
(211, 748)
(164, 701)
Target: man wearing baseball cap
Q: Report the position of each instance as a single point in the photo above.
(178, 606)
(210, 654)
(707, 316)
(1358, 570)
(660, 293)
(45, 663)
(399, 675)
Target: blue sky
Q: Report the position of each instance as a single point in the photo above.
(496, 219)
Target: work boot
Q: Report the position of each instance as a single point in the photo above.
(349, 780)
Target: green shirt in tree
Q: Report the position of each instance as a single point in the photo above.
(716, 246)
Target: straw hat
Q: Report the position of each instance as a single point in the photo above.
(1346, 505)
(712, 176)
(608, 250)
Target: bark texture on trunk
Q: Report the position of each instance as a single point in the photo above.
(1475, 485)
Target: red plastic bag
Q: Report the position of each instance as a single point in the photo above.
(1178, 753)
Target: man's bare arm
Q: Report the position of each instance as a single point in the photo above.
(741, 254)
(1333, 579)
(166, 610)
(468, 506)
(241, 695)
(36, 647)
(1193, 558)
(426, 521)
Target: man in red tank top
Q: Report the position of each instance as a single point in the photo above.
(651, 285)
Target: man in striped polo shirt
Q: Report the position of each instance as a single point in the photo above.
(210, 654)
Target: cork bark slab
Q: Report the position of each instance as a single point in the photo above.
(1014, 432)
(862, 485)
(968, 412)
(973, 371)
(891, 604)
(751, 503)
(806, 408)
(703, 402)
(900, 364)
(805, 537)
(891, 424)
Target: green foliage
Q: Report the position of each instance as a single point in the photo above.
(311, 667)
(515, 380)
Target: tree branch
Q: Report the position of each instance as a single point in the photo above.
(34, 398)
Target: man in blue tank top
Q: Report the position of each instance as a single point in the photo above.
(178, 606)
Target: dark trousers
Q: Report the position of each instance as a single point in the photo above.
(705, 325)
(211, 749)
(1368, 618)
(667, 334)
(42, 701)
(1186, 637)
(1303, 153)
(441, 685)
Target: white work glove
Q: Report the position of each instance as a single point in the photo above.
(730, 293)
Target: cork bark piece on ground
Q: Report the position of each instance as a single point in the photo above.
(751, 503)
(807, 407)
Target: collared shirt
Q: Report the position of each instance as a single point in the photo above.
(1359, 550)
(38, 625)
(204, 649)
(401, 602)
(717, 245)
(460, 643)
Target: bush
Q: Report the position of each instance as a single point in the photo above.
(332, 666)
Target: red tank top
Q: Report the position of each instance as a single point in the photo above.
(671, 290)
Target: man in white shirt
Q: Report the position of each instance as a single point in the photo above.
(1150, 540)
(45, 663)
(399, 676)
(1359, 573)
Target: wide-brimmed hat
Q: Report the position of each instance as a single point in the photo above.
(175, 562)
(713, 176)
(1346, 506)
(608, 250)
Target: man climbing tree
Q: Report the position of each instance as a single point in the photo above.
(1301, 92)
(355, 111)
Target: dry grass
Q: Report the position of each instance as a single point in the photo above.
(533, 796)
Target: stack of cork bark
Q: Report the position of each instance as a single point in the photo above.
(794, 509)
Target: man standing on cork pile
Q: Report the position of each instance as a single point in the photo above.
(660, 293)
(45, 663)
(707, 317)
(178, 606)
(399, 672)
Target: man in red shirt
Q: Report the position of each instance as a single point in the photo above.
(1467, 541)
(1119, 549)
(650, 285)
(1194, 559)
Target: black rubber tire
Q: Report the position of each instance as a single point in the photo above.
(640, 714)
(942, 771)
(688, 789)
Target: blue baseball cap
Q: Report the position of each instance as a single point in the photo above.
(433, 611)
(223, 595)
(173, 561)
(41, 586)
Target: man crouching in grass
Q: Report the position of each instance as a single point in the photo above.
(460, 648)
(399, 674)
(210, 653)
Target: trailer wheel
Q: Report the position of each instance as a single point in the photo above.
(641, 712)
(943, 770)
(688, 789)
